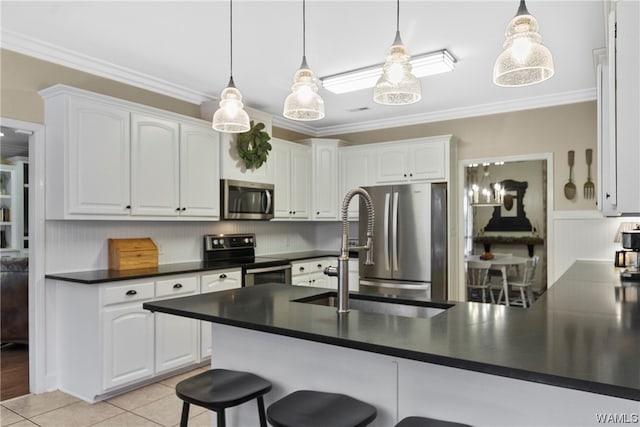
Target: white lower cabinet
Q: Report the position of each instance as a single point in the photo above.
(220, 280)
(107, 342)
(176, 337)
(128, 334)
(310, 272)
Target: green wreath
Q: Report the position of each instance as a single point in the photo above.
(253, 146)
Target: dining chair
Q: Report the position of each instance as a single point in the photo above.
(524, 283)
(478, 278)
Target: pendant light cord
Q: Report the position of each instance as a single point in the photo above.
(304, 28)
(397, 16)
(231, 41)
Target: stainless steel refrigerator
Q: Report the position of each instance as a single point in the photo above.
(409, 241)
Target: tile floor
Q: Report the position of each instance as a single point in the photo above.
(150, 406)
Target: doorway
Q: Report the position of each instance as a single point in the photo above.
(512, 216)
(14, 261)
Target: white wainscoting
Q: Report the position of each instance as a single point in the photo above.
(584, 235)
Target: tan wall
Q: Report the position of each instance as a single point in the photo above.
(555, 129)
(545, 130)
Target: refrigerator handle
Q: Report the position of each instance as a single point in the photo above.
(394, 235)
(387, 207)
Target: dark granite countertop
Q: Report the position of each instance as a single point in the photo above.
(102, 276)
(583, 333)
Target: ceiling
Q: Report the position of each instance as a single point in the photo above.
(181, 49)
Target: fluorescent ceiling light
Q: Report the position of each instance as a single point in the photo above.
(423, 65)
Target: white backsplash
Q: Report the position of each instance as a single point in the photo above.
(82, 245)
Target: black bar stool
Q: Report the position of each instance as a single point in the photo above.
(306, 408)
(218, 389)
(427, 422)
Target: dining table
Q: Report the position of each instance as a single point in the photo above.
(501, 263)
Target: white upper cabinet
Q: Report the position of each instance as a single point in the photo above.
(155, 166)
(199, 172)
(324, 187)
(292, 178)
(421, 159)
(112, 159)
(617, 73)
(356, 170)
(87, 157)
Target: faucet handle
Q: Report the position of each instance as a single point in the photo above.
(331, 271)
(369, 250)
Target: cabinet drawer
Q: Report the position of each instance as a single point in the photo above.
(312, 266)
(127, 293)
(176, 286)
(221, 280)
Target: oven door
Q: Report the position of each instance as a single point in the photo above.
(246, 200)
(261, 275)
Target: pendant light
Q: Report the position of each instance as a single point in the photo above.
(397, 85)
(304, 103)
(524, 60)
(231, 117)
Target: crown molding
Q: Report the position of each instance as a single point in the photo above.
(40, 49)
(460, 113)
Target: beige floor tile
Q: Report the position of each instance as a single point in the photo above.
(35, 404)
(202, 420)
(79, 414)
(172, 381)
(166, 411)
(24, 423)
(129, 420)
(8, 417)
(141, 397)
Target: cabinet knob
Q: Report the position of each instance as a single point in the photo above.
(301, 268)
(405, 175)
(184, 209)
(223, 276)
(128, 207)
(319, 266)
(410, 175)
(608, 195)
(132, 292)
(177, 286)
(294, 212)
(318, 213)
(178, 209)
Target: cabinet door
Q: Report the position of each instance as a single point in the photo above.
(98, 159)
(128, 344)
(176, 337)
(426, 161)
(628, 105)
(391, 164)
(220, 280)
(300, 181)
(199, 171)
(154, 166)
(280, 159)
(325, 181)
(355, 171)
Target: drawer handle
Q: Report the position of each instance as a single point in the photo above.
(132, 292)
(177, 286)
(223, 276)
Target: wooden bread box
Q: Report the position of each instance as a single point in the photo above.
(130, 254)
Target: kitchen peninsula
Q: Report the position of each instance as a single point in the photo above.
(566, 361)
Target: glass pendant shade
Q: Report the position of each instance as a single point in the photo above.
(230, 117)
(524, 60)
(304, 103)
(397, 85)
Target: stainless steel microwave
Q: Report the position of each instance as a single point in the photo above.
(246, 200)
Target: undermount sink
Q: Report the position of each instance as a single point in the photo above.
(383, 305)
